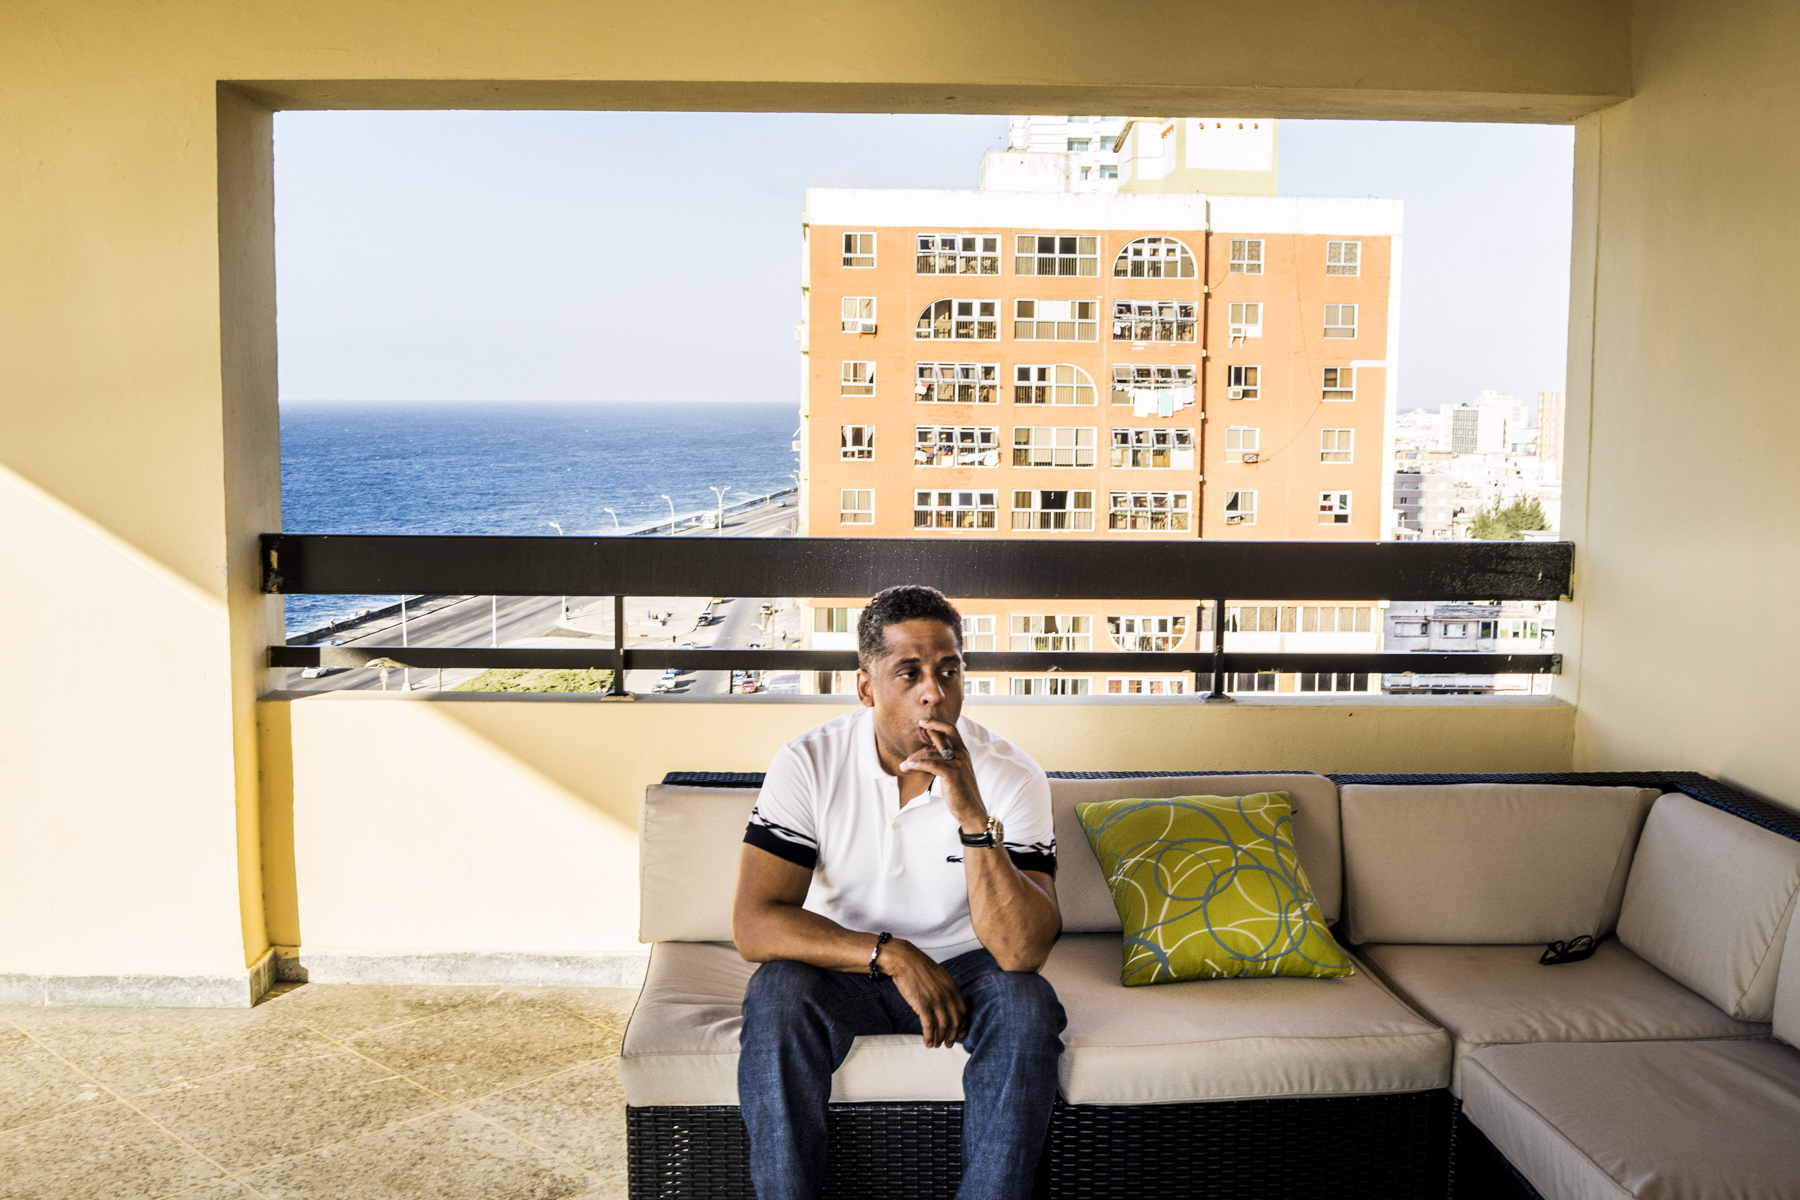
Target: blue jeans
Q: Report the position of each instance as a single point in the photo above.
(799, 1022)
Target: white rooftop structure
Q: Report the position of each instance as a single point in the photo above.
(1220, 155)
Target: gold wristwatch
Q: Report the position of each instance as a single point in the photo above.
(993, 835)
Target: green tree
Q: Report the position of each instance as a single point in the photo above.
(1497, 524)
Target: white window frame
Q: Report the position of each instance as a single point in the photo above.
(1082, 148)
(1334, 508)
(1108, 170)
(1458, 629)
(1338, 383)
(1050, 685)
(857, 314)
(1149, 512)
(1053, 385)
(1243, 381)
(1418, 627)
(1240, 506)
(1037, 320)
(961, 320)
(956, 383)
(1143, 322)
(1331, 618)
(856, 442)
(1151, 257)
(1242, 441)
(858, 250)
(1245, 318)
(1035, 446)
(1068, 255)
(1075, 516)
(856, 377)
(1343, 258)
(1340, 320)
(975, 627)
(956, 446)
(1246, 256)
(1138, 448)
(956, 508)
(1337, 445)
(856, 506)
(1146, 685)
(1150, 382)
(978, 685)
(957, 254)
(1150, 634)
(1071, 633)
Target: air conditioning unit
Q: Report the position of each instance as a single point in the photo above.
(1234, 393)
(1238, 331)
(865, 327)
(1251, 457)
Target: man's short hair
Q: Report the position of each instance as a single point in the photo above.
(908, 602)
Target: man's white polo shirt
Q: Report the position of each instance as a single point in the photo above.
(827, 805)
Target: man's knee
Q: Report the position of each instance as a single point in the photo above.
(1019, 1002)
(782, 991)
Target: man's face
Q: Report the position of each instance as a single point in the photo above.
(919, 677)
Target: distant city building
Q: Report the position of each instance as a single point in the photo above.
(1515, 627)
(1426, 504)
(1550, 431)
(1191, 155)
(1472, 429)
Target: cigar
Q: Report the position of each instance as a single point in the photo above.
(945, 750)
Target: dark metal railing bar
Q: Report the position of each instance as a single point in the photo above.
(617, 686)
(1218, 691)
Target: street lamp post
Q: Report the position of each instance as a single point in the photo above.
(615, 517)
(720, 493)
(565, 599)
(671, 516)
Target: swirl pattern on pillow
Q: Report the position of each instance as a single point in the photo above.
(1209, 887)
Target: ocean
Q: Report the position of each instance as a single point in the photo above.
(513, 468)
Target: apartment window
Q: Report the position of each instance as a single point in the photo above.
(1153, 321)
(1107, 143)
(1052, 446)
(956, 446)
(1246, 256)
(1149, 511)
(1153, 448)
(1336, 445)
(1520, 629)
(1263, 681)
(1343, 258)
(1147, 633)
(954, 510)
(1153, 391)
(1241, 440)
(1077, 145)
(1245, 320)
(958, 254)
(1240, 508)
(1107, 172)
(1056, 254)
(960, 320)
(957, 383)
(978, 685)
(857, 379)
(1334, 508)
(1059, 632)
(1049, 685)
(1243, 383)
(856, 506)
(856, 441)
(1084, 172)
(859, 314)
(978, 633)
(1154, 258)
(835, 620)
(1055, 320)
(1486, 629)
(1457, 629)
(1331, 618)
(1340, 320)
(1058, 383)
(1146, 685)
(1343, 681)
(859, 249)
(1340, 383)
(1053, 509)
(1409, 629)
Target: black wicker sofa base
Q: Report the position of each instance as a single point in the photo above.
(1348, 1147)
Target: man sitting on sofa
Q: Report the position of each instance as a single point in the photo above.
(897, 877)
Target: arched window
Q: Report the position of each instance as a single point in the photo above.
(1154, 258)
(960, 320)
(1052, 383)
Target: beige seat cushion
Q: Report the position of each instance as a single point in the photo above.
(1787, 989)
(1646, 1120)
(1486, 863)
(1709, 901)
(1233, 1039)
(1081, 889)
(689, 839)
(681, 1046)
(1497, 995)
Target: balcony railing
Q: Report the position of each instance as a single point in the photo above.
(330, 564)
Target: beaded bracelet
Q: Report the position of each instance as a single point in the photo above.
(884, 939)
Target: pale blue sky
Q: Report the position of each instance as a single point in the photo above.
(644, 256)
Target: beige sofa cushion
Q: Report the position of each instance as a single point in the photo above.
(1486, 863)
(689, 839)
(1233, 1039)
(1496, 995)
(1787, 989)
(1644, 1120)
(1081, 890)
(1709, 901)
(681, 1046)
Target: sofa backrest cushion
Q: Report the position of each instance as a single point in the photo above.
(1709, 902)
(1081, 891)
(689, 839)
(1787, 989)
(1486, 863)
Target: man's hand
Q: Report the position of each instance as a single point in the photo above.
(961, 793)
(929, 991)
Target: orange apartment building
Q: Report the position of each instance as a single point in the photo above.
(994, 364)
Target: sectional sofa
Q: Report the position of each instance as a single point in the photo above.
(1452, 1062)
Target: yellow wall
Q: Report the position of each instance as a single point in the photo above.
(1683, 418)
(395, 822)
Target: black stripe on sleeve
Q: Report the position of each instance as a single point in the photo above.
(1034, 858)
(763, 838)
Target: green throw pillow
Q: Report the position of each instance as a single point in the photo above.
(1209, 887)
